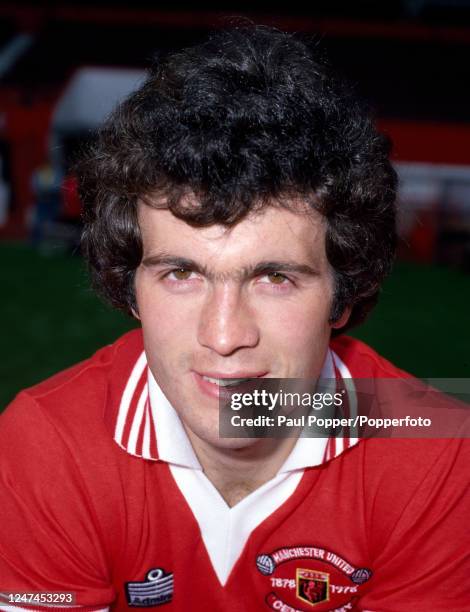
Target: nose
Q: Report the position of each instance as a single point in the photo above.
(227, 323)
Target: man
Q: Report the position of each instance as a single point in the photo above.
(240, 204)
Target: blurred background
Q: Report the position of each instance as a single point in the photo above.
(63, 67)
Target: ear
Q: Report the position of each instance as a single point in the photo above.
(344, 318)
(135, 314)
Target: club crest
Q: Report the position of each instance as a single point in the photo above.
(312, 586)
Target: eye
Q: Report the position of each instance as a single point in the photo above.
(180, 274)
(276, 278)
(181, 280)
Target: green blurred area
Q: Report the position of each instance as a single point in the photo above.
(51, 318)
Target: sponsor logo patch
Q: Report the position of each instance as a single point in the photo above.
(155, 590)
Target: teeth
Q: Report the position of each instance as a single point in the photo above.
(225, 382)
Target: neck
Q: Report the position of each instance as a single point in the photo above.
(237, 472)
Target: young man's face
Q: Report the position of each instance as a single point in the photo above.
(215, 303)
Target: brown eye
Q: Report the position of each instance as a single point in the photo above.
(181, 274)
(276, 278)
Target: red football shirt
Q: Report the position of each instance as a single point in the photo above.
(88, 506)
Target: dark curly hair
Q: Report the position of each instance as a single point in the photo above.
(248, 118)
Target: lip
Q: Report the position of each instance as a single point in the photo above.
(238, 374)
(214, 391)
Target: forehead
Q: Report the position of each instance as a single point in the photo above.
(273, 233)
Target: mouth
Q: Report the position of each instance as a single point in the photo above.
(226, 382)
(217, 384)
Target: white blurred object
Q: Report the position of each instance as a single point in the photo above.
(91, 94)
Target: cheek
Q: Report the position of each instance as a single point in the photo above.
(163, 314)
(299, 333)
(300, 319)
(168, 326)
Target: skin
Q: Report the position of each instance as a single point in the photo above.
(253, 299)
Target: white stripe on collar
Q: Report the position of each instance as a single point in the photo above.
(174, 446)
(127, 397)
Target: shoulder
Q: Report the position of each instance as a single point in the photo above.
(61, 478)
(363, 361)
(415, 457)
(102, 364)
(56, 449)
(88, 380)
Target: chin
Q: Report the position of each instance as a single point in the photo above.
(236, 443)
(214, 440)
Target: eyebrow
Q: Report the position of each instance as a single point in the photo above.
(263, 267)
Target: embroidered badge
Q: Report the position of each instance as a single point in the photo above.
(312, 586)
(155, 590)
(310, 578)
